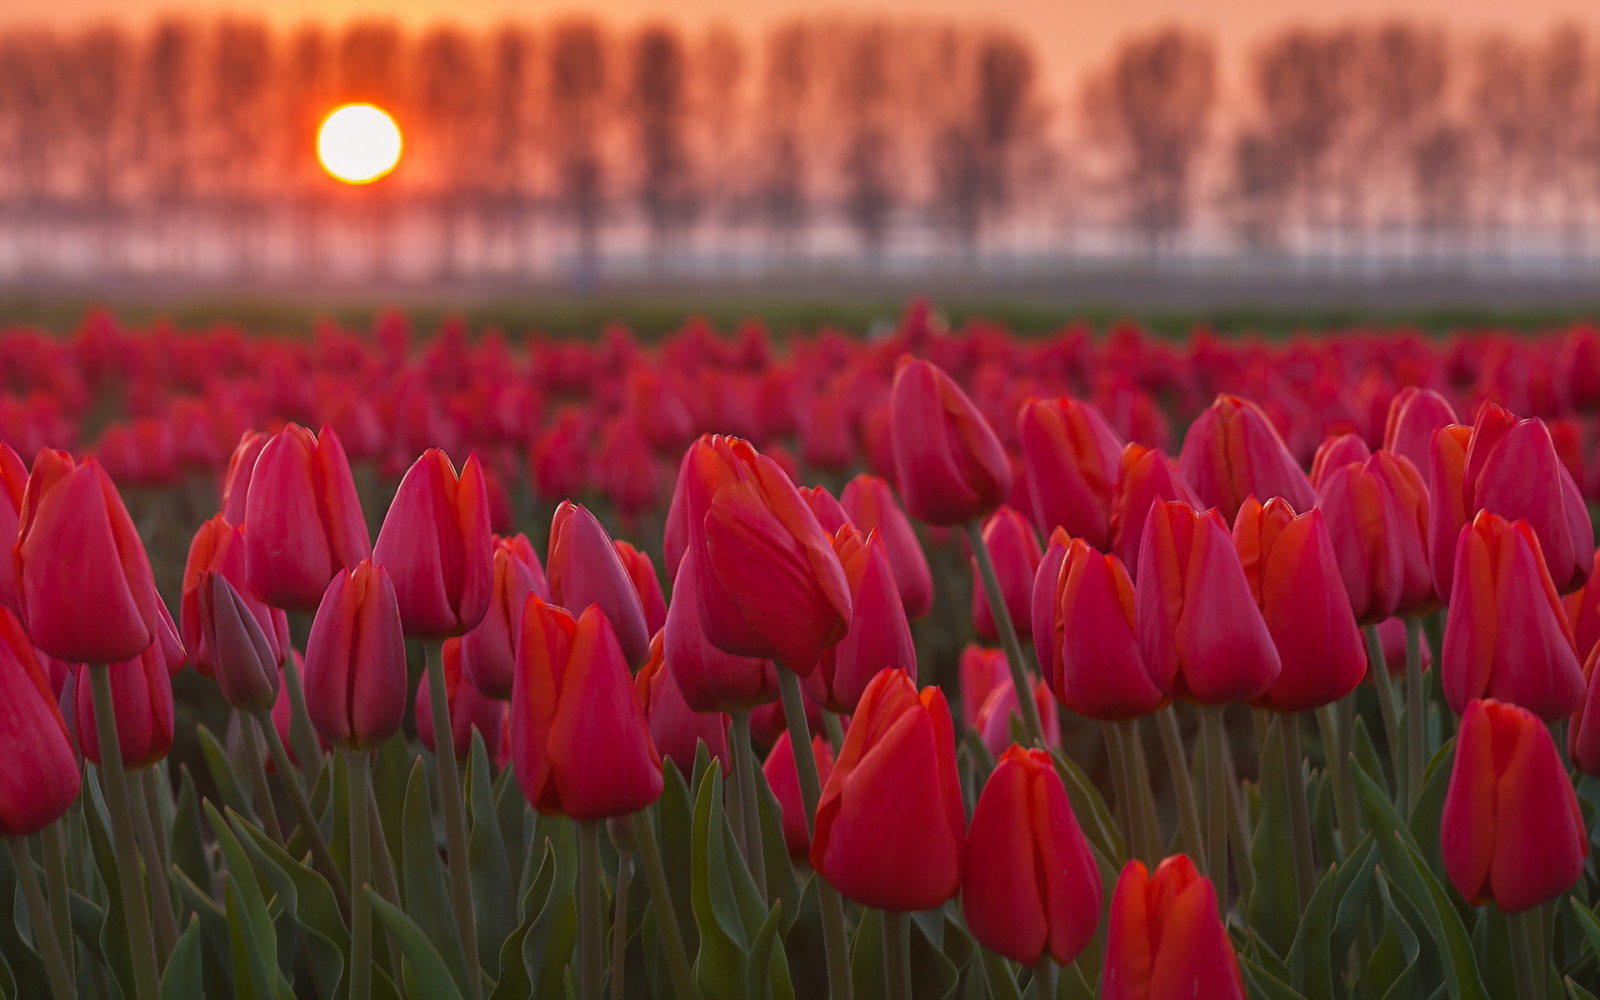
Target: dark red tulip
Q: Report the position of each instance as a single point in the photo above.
(489, 651)
(436, 545)
(218, 549)
(1336, 452)
(355, 663)
(13, 482)
(677, 729)
(784, 780)
(1072, 456)
(879, 634)
(141, 689)
(1377, 515)
(870, 505)
(584, 568)
(236, 481)
(1145, 477)
(1015, 551)
(40, 780)
(711, 680)
(952, 469)
(1414, 414)
(1165, 939)
(469, 708)
(1232, 451)
(642, 573)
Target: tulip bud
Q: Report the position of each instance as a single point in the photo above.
(355, 664)
(896, 771)
(1200, 630)
(236, 482)
(219, 548)
(579, 739)
(1507, 636)
(1165, 938)
(1146, 476)
(245, 658)
(1511, 830)
(1232, 451)
(642, 573)
(489, 650)
(141, 689)
(951, 466)
(1447, 502)
(1377, 518)
(869, 503)
(83, 579)
(1084, 629)
(1414, 414)
(469, 708)
(1335, 453)
(879, 635)
(1072, 456)
(305, 518)
(677, 729)
(1289, 563)
(783, 777)
(710, 680)
(1015, 551)
(585, 568)
(982, 670)
(41, 769)
(13, 482)
(829, 514)
(436, 544)
(1030, 885)
(1000, 713)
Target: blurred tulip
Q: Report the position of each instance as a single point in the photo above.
(1414, 414)
(879, 635)
(1377, 518)
(305, 519)
(1232, 451)
(13, 482)
(236, 481)
(1146, 476)
(1165, 939)
(1392, 637)
(83, 580)
(896, 772)
(1015, 551)
(355, 663)
(580, 743)
(1583, 611)
(40, 780)
(1336, 452)
(469, 708)
(677, 729)
(141, 689)
(642, 573)
(829, 514)
(951, 466)
(870, 505)
(283, 713)
(1289, 563)
(436, 545)
(710, 680)
(1072, 456)
(982, 670)
(489, 650)
(1511, 831)
(784, 780)
(1030, 885)
(1000, 713)
(1507, 635)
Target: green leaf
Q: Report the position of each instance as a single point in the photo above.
(782, 883)
(494, 896)
(675, 824)
(1426, 817)
(511, 813)
(1264, 984)
(1367, 758)
(433, 980)
(760, 978)
(1589, 923)
(868, 955)
(229, 789)
(1093, 815)
(1394, 962)
(309, 902)
(933, 972)
(424, 883)
(997, 976)
(188, 835)
(185, 975)
(720, 963)
(248, 888)
(547, 951)
(248, 924)
(113, 940)
(1577, 992)
(213, 921)
(1274, 906)
(514, 982)
(1353, 890)
(1311, 964)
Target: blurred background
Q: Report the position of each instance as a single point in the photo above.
(1078, 150)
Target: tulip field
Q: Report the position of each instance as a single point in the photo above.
(935, 663)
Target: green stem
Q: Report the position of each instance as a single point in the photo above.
(289, 779)
(1344, 792)
(114, 782)
(591, 915)
(56, 886)
(1147, 813)
(832, 906)
(1178, 765)
(383, 879)
(1523, 956)
(301, 733)
(455, 812)
(655, 874)
(897, 954)
(62, 985)
(1386, 705)
(834, 728)
(1120, 783)
(360, 875)
(1240, 834)
(744, 754)
(619, 925)
(1219, 802)
(258, 777)
(1416, 715)
(153, 778)
(1031, 726)
(1044, 978)
(1305, 877)
(156, 871)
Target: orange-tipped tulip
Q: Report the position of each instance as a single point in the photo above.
(1507, 635)
(13, 483)
(896, 772)
(236, 481)
(1337, 452)
(1200, 630)
(879, 635)
(677, 729)
(1377, 515)
(1015, 551)
(871, 506)
(218, 549)
(1511, 831)
(355, 663)
(1232, 451)
(40, 779)
(1290, 564)
(1030, 885)
(951, 466)
(580, 742)
(1414, 414)
(711, 680)
(1165, 939)
(1145, 477)
(83, 579)
(642, 573)
(784, 780)
(1447, 502)
(305, 518)
(585, 568)
(489, 651)
(436, 544)
(1072, 456)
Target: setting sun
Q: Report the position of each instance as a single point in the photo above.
(358, 143)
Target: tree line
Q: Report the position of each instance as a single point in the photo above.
(188, 144)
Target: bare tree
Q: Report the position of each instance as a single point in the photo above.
(448, 94)
(241, 73)
(578, 64)
(1304, 89)
(659, 102)
(168, 106)
(96, 80)
(783, 195)
(510, 144)
(861, 98)
(29, 73)
(1403, 71)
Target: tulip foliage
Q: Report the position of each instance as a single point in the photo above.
(941, 664)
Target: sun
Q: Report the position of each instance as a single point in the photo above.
(358, 143)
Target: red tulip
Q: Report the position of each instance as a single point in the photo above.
(1030, 885)
(1392, 637)
(642, 573)
(246, 657)
(1507, 636)
(1414, 414)
(141, 689)
(1165, 939)
(1200, 630)
(40, 779)
(283, 712)
(218, 549)
(896, 772)
(1511, 831)
(469, 708)
(879, 635)
(83, 579)
(677, 729)
(829, 514)
(951, 466)
(489, 651)
(1447, 502)
(1146, 476)
(355, 664)
(1289, 562)
(870, 505)
(1232, 451)
(1377, 517)
(436, 544)
(1583, 611)
(305, 518)
(13, 482)
(1001, 710)
(1084, 629)
(1337, 452)
(711, 680)
(585, 568)
(1015, 551)
(579, 739)
(236, 482)
(982, 670)
(1072, 456)
(784, 780)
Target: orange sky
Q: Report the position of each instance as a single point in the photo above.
(1069, 32)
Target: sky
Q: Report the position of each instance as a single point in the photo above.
(1071, 34)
